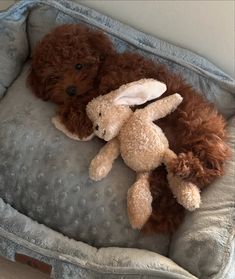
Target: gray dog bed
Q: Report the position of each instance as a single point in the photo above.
(51, 210)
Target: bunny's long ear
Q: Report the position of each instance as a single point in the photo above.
(139, 92)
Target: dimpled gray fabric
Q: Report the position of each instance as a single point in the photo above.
(44, 175)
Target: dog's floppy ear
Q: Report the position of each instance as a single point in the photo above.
(139, 92)
(39, 88)
(101, 43)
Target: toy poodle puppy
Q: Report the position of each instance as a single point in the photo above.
(73, 64)
(66, 68)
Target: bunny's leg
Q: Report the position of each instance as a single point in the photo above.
(186, 193)
(102, 163)
(139, 201)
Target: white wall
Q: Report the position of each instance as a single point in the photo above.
(205, 27)
(6, 3)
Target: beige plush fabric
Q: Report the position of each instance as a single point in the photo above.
(142, 145)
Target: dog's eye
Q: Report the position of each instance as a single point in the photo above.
(52, 79)
(78, 66)
(100, 114)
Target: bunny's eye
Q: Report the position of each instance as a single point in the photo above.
(100, 114)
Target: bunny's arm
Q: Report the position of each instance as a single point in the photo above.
(102, 163)
(162, 107)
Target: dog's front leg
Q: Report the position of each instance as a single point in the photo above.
(56, 120)
(73, 121)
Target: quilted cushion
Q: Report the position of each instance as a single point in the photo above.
(208, 233)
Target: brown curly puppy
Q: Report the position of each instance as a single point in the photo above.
(74, 64)
(66, 68)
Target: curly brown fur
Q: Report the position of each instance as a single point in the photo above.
(53, 71)
(195, 130)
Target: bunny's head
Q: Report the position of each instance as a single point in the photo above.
(108, 113)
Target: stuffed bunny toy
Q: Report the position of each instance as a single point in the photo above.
(142, 144)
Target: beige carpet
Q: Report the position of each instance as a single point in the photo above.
(10, 270)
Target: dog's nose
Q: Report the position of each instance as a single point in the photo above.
(97, 127)
(71, 90)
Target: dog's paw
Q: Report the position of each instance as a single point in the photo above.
(58, 124)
